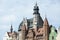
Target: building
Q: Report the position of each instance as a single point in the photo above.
(53, 33)
(58, 34)
(12, 35)
(34, 28)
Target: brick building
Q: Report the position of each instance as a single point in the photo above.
(34, 28)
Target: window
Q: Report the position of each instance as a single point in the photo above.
(52, 37)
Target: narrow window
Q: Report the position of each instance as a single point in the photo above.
(52, 37)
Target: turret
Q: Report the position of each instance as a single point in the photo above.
(45, 22)
(25, 23)
(36, 9)
(46, 28)
(37, 20)
(21, 33)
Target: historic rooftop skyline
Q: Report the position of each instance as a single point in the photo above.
(13, 11)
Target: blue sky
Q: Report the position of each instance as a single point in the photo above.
(13, 12)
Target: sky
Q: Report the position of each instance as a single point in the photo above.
(13, 12)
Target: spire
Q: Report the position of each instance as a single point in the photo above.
(59, 28)
(11, 29)
(36, 4)
(23, 27)
(45, 21)
(36, 9)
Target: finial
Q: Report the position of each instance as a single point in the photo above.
(11, 28)
(36, 3)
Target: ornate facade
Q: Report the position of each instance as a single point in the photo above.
(34, 28)
(31, 29)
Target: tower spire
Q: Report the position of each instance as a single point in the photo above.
(45, 21)
(11, 29)
(37, 20)
(36, 9)
(36, 3)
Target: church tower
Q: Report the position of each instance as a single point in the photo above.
(37, 20)
(46, 29)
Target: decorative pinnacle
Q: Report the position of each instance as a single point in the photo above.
(11, 28)
(36, 3)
